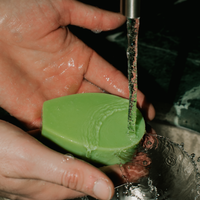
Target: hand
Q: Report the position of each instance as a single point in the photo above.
(41, 59)
(29, 170)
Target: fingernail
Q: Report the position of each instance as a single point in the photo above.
(102, 190)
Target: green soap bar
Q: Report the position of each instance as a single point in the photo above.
(92, 126)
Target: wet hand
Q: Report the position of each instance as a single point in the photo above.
(29, 170)
(41, 59)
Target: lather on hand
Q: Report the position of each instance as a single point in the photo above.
(41, 59)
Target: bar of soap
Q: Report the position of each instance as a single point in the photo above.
(92, 126)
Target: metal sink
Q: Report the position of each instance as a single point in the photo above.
(177, 134)
(190, 138)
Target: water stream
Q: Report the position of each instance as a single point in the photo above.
(132, 51)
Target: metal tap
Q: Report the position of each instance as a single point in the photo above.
(130, 8)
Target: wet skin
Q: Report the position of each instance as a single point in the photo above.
(41, 59)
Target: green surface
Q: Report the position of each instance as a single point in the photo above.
(92, 126)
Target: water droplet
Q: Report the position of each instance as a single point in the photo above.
(127, 54)
(67, 157)
(182, 145)
(144, 162)
(84, 198)
(124, 177)
(171, 161)
(117, 193)
(192, 155)
(149, 181)
(96, 31)
(132, 44)
(149, 143)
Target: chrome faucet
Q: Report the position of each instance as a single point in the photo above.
(130, 8)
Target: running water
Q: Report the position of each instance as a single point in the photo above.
(161, 164)
(132, 51)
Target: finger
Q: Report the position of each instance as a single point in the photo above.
(74, 174)
(87, 16)
(107, 77)
(32, 160)
(36, 189)
(88, 87)
(146, 108)
(114, 173)
(104, 75)
(131, 171)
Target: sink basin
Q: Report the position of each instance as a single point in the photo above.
(190, 138)
(179, 179)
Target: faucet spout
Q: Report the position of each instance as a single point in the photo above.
(130, 8)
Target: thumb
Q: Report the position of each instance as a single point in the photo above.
(87, 16)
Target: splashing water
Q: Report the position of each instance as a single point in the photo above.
(172, 172)
(132, 51)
